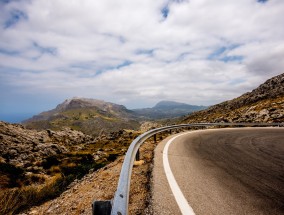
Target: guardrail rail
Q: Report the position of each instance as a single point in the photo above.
(119, 204)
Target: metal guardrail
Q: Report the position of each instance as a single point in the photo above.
(119, 205)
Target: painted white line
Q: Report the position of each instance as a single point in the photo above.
(185, 208)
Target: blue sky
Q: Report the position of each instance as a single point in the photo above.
(135, 53)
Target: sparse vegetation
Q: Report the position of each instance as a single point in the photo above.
(13, 175)
(17, 199)
(45, 177)
(267, 110)
(34, 189)
(263, 104)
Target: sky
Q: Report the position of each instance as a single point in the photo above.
(135, 52)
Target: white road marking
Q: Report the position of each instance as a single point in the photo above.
(185, 208)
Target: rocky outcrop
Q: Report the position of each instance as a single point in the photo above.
(264, 104)
(30, 153)
(146, 126)
(22, 147)
(38, 165)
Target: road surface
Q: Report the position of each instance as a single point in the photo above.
(221, 171)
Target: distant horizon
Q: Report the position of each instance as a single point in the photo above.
(20, 117)
(16, 118)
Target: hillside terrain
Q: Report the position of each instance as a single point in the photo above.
(263, 104)
(90, 116)
(166, 110)
(39, 165)
(101, 185)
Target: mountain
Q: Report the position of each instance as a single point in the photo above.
(167, 109)
(90, 116)
(263, 104)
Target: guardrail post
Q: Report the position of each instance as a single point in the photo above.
(101, 207)
(155, 138)
(137, 157)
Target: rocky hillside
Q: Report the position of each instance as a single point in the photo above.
(90, 116)
(264, 104)
(22, 147)
(167, 109)
(101, 185)
(38, 165)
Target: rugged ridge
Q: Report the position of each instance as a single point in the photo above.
(90, 116)
(26, 151)
(263, 104)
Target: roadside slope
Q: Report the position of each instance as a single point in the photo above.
(264, 104)
(101, 185)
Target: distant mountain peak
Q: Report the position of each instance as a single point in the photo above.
(79, 102)
(84, 114)
(167, 109)
(169, 104)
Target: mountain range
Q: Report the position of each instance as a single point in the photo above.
(93, 116)
(167, 109)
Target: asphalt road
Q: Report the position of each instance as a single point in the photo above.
(223, 171)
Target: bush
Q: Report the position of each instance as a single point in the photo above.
(50, 161)
(73, 166)
(15, 174)
(78, 165)
(112, 157)
(14, 200)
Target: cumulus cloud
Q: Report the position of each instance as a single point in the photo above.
(139, 52)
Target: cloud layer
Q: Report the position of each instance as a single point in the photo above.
(138, 52)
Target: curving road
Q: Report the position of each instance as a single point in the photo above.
(221, 171)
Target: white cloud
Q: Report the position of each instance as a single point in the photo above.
(203, 52)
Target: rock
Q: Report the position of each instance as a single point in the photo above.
(12, 153)
(263, 113)
(23, 147)
(146, 126)
(33, 212)
(96, 157)
(2, 160)
(139, 163)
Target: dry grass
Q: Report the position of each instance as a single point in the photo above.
(15, 199)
